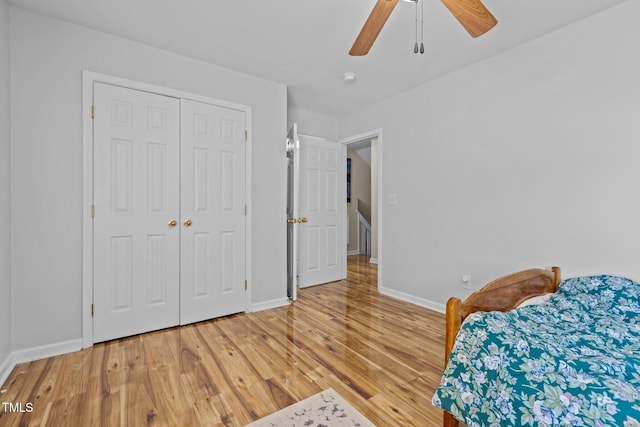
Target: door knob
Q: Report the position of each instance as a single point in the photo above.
(173, 223)
(187, 222)
(296, 220)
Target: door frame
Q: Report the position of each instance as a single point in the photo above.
(88, 79)
(293, 148)
(375, 133)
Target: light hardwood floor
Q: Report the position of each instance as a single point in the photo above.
(383, 355)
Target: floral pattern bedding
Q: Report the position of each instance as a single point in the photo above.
(572, 361)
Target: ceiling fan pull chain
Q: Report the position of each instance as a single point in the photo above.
(421, 26)
(415, 47)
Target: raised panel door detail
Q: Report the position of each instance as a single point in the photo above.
(201, 257)
(331, 156)
(227, 262)
(121, 113)
(200, 125)
(331, 191)
(121, 273)
(156, 269)
(201, 179)
(331, 247)
(121, 175)
(157, 177)
(227, 181)
(313, 248)
(313, 153)
(311, 190)
(228, 130)
(156, 119)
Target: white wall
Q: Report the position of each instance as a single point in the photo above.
(313, 124)
(529, 158)
(5, 190)
(48, 57)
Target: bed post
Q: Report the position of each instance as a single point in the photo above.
(449, 421)
(556, 278)
(454, 320)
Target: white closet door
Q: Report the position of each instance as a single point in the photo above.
(136, 196)
(321, 191)
(213, 212)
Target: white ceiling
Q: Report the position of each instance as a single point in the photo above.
(304, 43)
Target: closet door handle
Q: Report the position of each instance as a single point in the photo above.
(173, 223)
(187, 222)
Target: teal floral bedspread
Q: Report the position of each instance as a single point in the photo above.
(572, 361)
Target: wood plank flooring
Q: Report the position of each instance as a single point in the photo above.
(382, 355)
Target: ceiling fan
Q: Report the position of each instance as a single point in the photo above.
(472, 14)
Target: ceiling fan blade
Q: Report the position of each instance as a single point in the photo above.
(472, 14)
(379, 15)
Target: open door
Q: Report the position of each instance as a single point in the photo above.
(320, 219)
(292, 211)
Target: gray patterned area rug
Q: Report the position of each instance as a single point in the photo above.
(326, 408)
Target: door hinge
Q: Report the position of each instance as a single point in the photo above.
(91, 310)
(246, 210)
(93, 112)
(93, 211)
(246, 285)
(246, 135)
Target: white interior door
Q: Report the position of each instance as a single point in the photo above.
(293, 166)
(136, 196)
(321, 230)
(213, 212)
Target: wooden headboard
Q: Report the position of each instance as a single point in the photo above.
(502, 294)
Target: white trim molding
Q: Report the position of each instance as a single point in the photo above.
(49, 350)
(37, 353)
(375, 133)
(431, 305)
(6, 367)
(268, 305)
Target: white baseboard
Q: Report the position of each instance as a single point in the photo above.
(435, 306)
(373, 260)
(356, 252)
(49, 350)
(267, 305)
(36, 353)
(6, 367)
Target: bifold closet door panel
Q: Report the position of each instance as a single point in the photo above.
(137, 207)
(213, 220)
(213, 211)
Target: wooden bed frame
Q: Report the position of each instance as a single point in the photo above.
(503, 294)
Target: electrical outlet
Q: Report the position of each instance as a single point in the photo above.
(466, 281)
